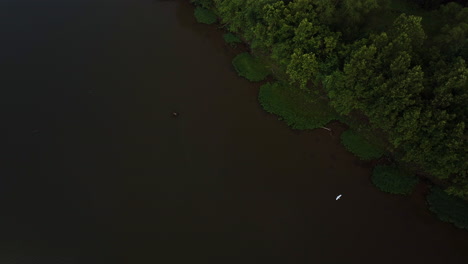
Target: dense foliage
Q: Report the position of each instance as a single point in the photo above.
(297, 108)
(205, 16)
(249, 67)
(392, 180)
(448, 208)
(398, 66)
(359, 146)
(402, 67)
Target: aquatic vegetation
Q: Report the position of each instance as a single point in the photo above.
(249, 67)
(392, 180)
(231, 39)
(205, 16)
(360, 146)
(296, 107)
(448, 208)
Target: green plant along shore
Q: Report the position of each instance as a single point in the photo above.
(231, 39)
(359, 146)
(298, 108)
(448, 208)
(249, 67)
(205, 16)
(392, 180)
(395, 69)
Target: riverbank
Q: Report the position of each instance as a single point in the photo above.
(310, 108)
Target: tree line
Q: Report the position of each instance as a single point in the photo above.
(369, 58)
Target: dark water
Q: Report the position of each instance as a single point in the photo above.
(95, 170)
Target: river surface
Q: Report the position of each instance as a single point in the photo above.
(96, 170)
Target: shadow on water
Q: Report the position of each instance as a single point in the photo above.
(111, 177)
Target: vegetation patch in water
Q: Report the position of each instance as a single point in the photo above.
(298, 108)
(392, 180)
(448, 208)
(249, 67)
(231, 39)
(205, 16)
(359, 146)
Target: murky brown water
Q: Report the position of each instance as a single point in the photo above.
(97, 171)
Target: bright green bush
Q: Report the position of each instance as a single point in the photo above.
(359, 146)
(294, 106)
(231, 39)
(392, 180)
(205, 16)
(249, 67)
(448, 208)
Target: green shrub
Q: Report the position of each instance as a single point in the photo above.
(249, 67)
(296, 107)
(448, 208)
(231, 39)
(392, 180)
(205, 16)
(359, 146)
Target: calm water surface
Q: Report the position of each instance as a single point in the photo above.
(95, 170)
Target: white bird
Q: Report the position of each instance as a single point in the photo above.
(338, 197)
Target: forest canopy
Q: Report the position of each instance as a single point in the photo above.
(400, 63)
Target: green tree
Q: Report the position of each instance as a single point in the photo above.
(355, 10)
(302, 68)
(381, 80)
(440, 144)
(452, 36)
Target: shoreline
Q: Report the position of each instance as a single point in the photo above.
(426, 182)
